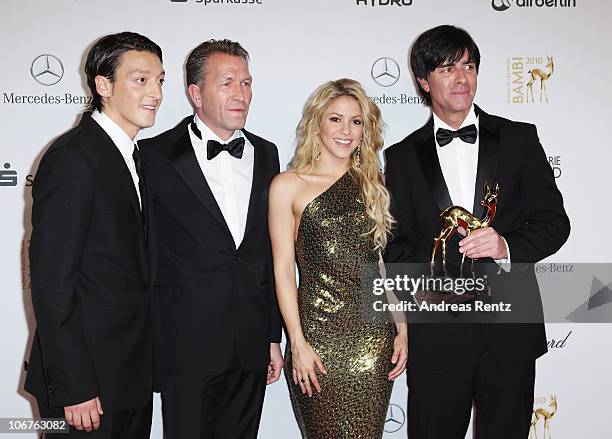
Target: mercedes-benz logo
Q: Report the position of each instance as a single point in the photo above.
(47, 69)
(396, 418)
(385, 72)
(500, 5)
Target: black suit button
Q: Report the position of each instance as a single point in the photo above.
(51, 389)
(236, 258)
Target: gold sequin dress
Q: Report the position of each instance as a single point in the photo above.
(332, 255)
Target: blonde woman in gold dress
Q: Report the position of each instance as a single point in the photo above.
(330, 213)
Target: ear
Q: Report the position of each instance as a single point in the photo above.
(104, 86)
(194, 94)
(424, 84)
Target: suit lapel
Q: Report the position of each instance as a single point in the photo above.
(430, 164)
(117, 162)
(488, 151)
(259, 168)
(186, 164)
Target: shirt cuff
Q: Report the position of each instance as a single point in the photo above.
(505, 262)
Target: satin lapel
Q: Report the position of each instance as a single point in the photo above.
(488, 152)
(117, 162)
(259, 168)
(428, 158)
(186, 164)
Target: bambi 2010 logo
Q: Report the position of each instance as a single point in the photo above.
(544, 410)
(528, 79)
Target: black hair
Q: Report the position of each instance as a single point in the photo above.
(198, 58)
(104, 58)
(440, 45)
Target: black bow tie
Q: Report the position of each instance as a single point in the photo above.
(213, 148)
(468, 134)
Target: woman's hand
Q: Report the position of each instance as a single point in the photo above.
(400, 354)
(305, 360)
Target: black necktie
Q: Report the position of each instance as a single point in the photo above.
(468, 134)
(142, 188)
(213, 148)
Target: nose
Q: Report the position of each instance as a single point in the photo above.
(346, 127)
(460, 76)
(155, 91)
(238, 92)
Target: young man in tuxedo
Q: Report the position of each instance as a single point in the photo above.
(445, 163)
(91, 360)
(217, 318)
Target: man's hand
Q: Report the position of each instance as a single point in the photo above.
(483, 243)
(276, 363)
(84, 416)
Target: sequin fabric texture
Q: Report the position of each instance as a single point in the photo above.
(332, 255)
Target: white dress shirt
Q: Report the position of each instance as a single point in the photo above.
(228, 177)
(122, 141)
(459, 163)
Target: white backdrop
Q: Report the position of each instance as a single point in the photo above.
(295, 46)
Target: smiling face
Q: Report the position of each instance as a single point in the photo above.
(223, 96)
(341, 128)
(131, 99)
(452, 87)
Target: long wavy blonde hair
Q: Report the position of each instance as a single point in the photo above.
(375, 196)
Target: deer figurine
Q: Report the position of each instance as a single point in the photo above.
(542, 414)
(542, 76)
(532, 427)
(456, 216)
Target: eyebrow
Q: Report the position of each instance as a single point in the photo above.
(226, 76)
(342, 115)
(146, 72)
(449, 64)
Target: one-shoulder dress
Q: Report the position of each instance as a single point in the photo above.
(333, 253)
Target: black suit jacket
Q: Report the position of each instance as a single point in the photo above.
(209, 294)
(530, 216)
(91, 273)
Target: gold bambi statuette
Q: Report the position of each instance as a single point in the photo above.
(456, 216)
(545, 415)
(543, 77)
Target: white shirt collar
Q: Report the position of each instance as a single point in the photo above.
(119, 137)
(470, 119)
(208, 134)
